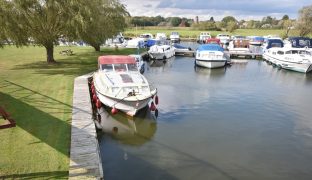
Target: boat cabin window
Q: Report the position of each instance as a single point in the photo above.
(303, 42)
(276, 45)
(120, 67)
(280, 52)
(106, 67)
(304, 52)
(132, 67)
(288, 52)
(294, 52)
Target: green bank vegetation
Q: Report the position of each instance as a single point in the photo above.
(188, 32)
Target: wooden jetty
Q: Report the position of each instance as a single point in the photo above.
(252, 55)
(85, 161)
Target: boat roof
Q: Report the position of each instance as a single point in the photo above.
(116, 59)
(300, 42)
(274, 42)
(210, 47)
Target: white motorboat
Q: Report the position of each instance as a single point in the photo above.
(210, 56)
(139, 61)
(239, 45)
(180, 50)
(175, 37)
(161, 51)
(135, 43)
(146, 36)
(161, 36)
(203, 36)
(296, 59)
(119, 85)
(224, 39)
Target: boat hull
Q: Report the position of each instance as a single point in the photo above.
(130, 107)
(165, 55)
(210, 63)
(299, 67)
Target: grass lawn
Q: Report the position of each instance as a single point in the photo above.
(188, 32)
(38, 96)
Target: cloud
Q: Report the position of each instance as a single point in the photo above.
(240, 9)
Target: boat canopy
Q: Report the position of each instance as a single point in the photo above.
(258, 38)
(111, 59)
(275, 43)
(178, 46)
(210, 47)
(300, 42)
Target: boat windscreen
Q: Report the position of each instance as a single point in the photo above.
(132, 67)
(107, 67)
(120, 67)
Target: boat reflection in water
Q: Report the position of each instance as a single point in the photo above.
(130, 130)
(211, 73)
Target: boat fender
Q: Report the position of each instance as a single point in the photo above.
(114, 110)
(94, 98)
(156, 100)
(98, 104)
(153, 107)
(93, 91)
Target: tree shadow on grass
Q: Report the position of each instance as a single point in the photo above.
(78, 64)
(48, 129)
(39, 175)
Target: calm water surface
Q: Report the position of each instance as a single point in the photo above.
(247, 121)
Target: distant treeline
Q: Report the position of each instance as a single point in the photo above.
(228, 23)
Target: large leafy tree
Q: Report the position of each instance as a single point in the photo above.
(98, 20)
(304, 21)
(38, 21)
(43, 22)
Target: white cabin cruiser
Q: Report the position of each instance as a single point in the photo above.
(119, 85)
(210, 56)
(175, 37)
(296, 59)
(203, 36)
(161, 52)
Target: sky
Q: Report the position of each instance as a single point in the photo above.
(204, 9)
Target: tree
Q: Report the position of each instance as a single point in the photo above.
(287, 24)
(304, 21)
(231, 26)
(285, 17)
(229, 23)
(211, 19)
(43, 21)
(228, 19)
(175, 21)
(98, 20)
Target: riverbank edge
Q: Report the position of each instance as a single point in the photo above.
(85, 161)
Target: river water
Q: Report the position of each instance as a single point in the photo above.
(246, 121)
